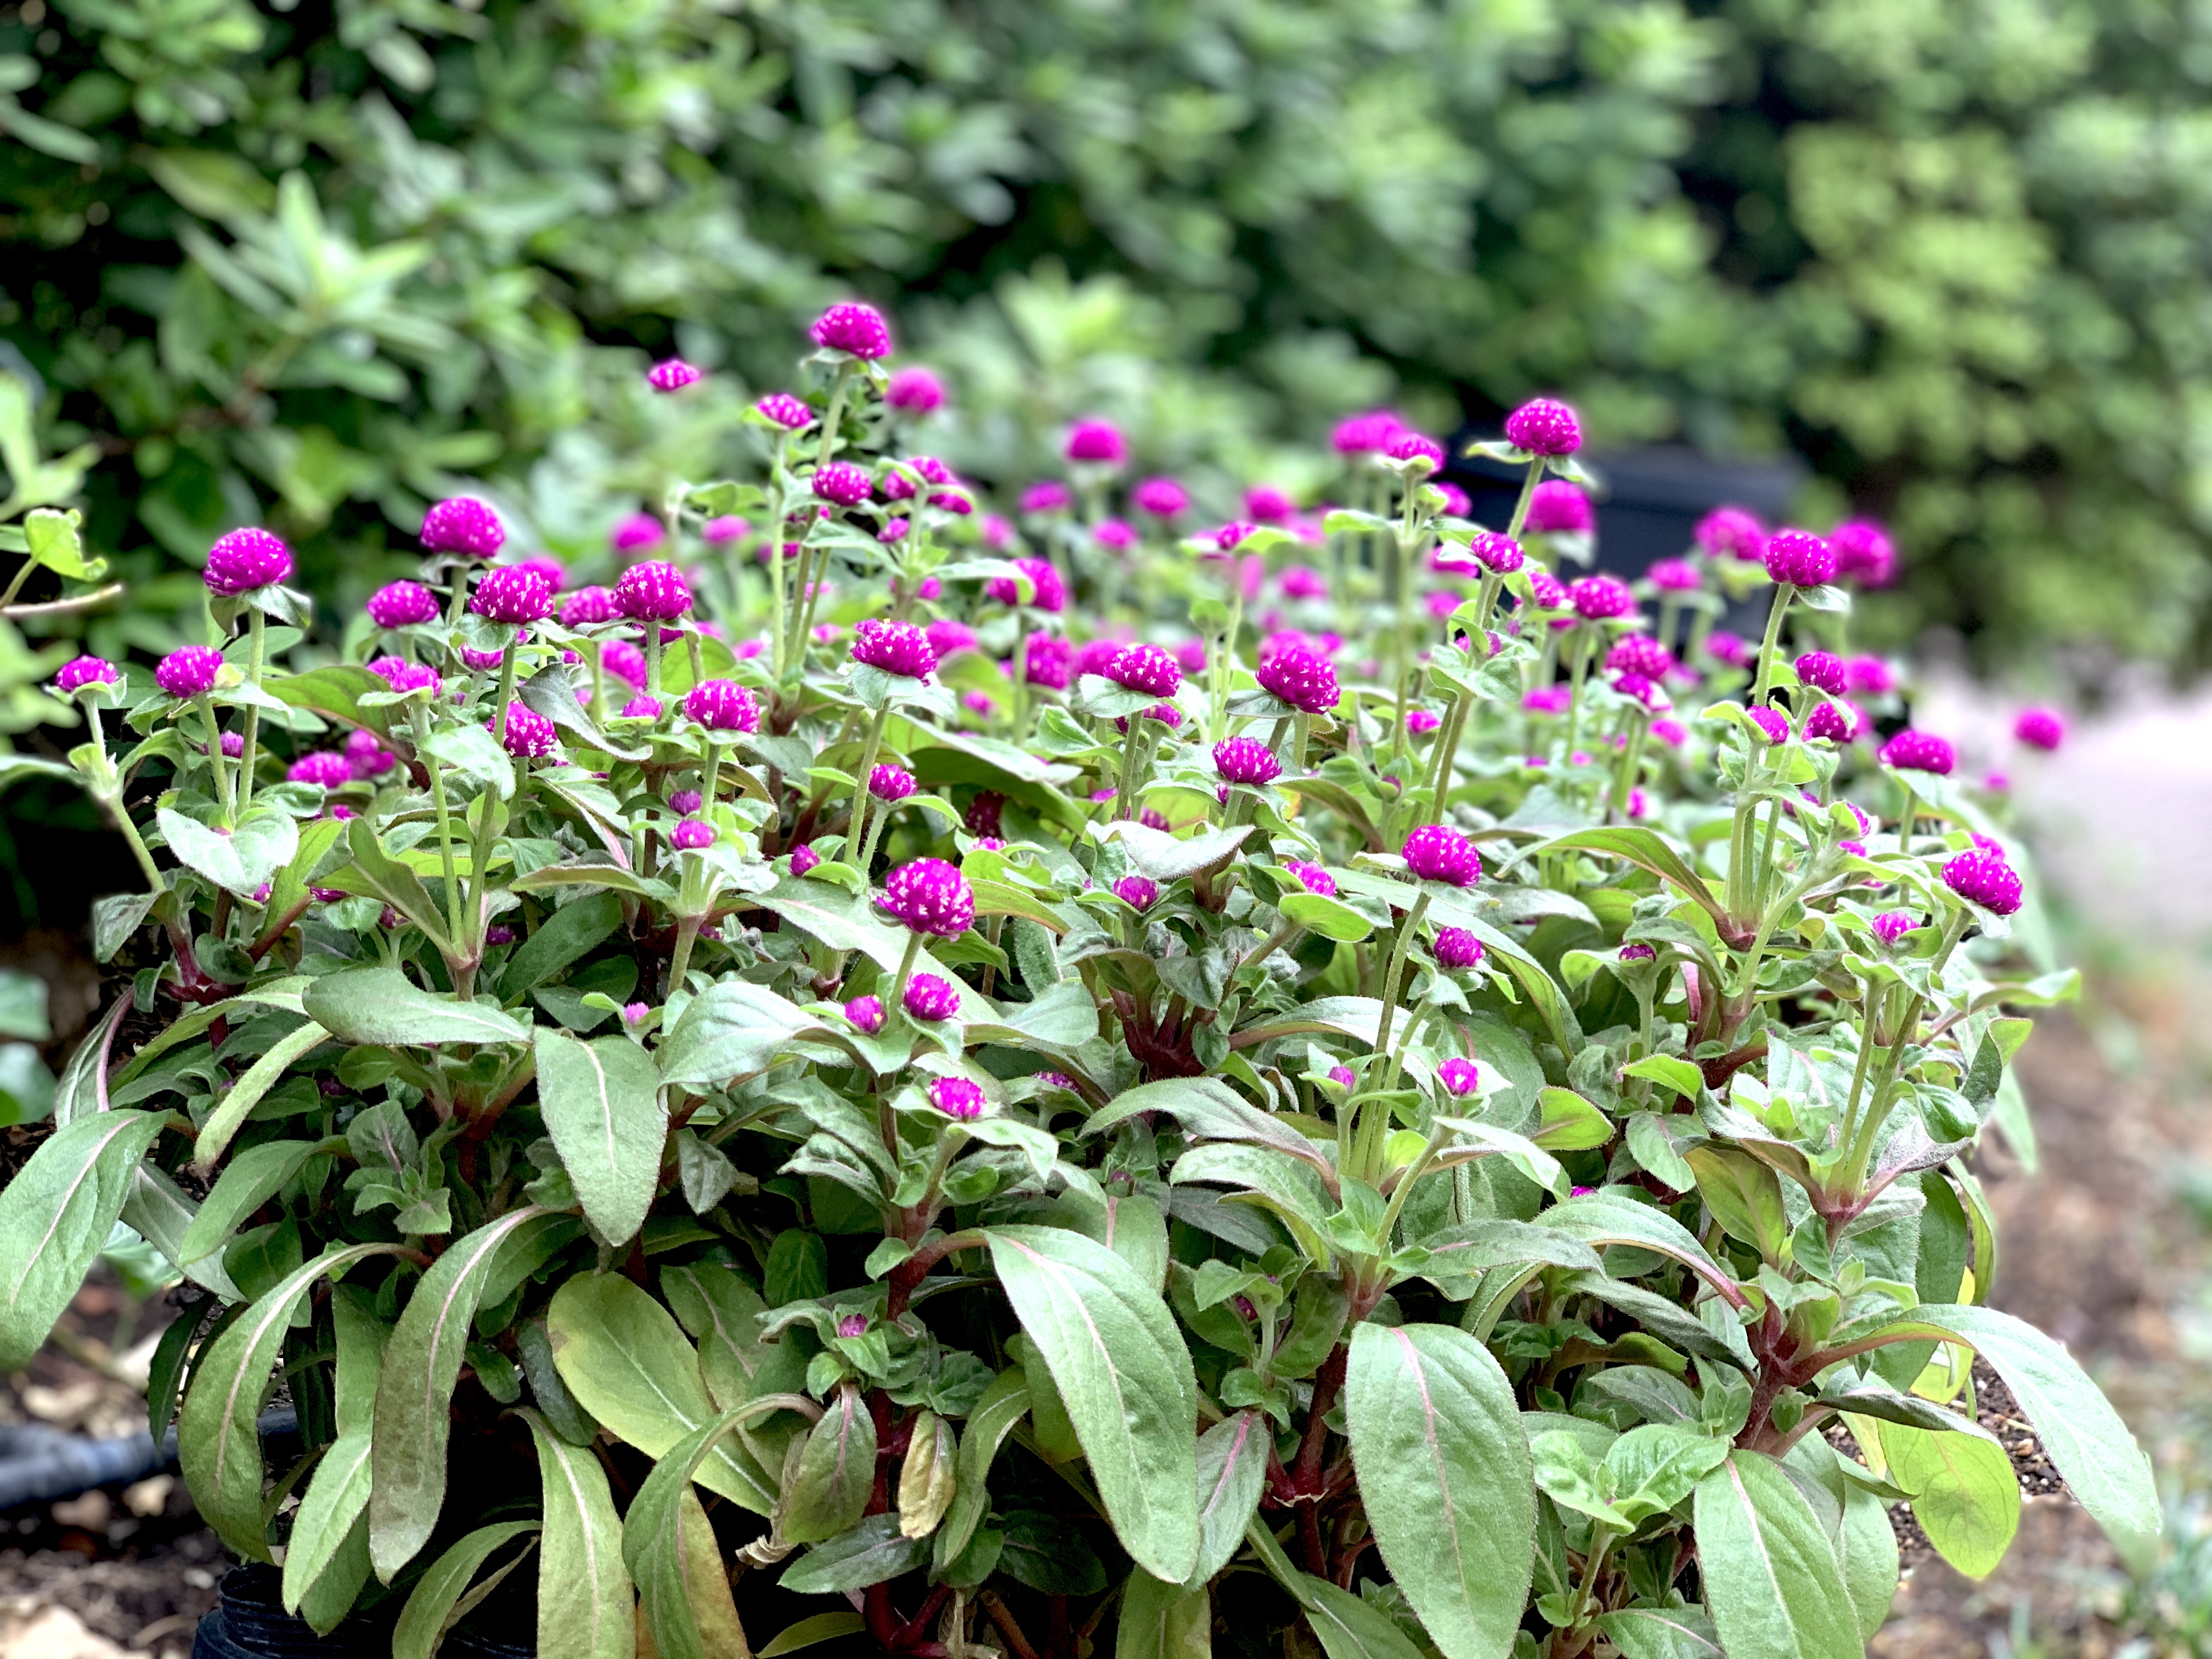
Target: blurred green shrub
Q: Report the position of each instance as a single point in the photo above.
(314, 266)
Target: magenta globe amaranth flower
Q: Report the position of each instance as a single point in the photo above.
(1420, 722)
(1733, 531)
(895, 647)
(1823, 671)
(1500, 554)
(803, 858)
(930, 897)
(1343, 1077)
(1425, 453)
(722, 706)
(405, 677)
(463, 525)
(1772, 725)
(946, 636)
(889, 781)
(723, 529)
(654, 591)
(1367, 434)
(243, 559)
(984, 815)
(1640, 654)
(402, 605)
(691, 834)
(1267, 505)
(529, 734)
(1049, 661)
(1864, 553)
(1638, 952)
(2040, 728)
(1046, 592)
(1985, 878)
(641, 708)
(1458, 950)
(1893, 925)
(1919, 751)
(1730, 648)
(81, 671)
(788, 412)
(843, 483)
(1836, 722)
(672, 375)
(1190, 655)
(930, 997)
(1146, 668)
(1674, 576)
(914, 391)
(1798, 558)
(1163, 498)
(1138, 892)
(1311, 877)
(625, 662)
(326, 768)
(1600, 598)
(1435, 852)
(1305, 679)
(1050, 495)
(1559, 507)
(189, 671)
(686, 802)
(1246, 760)
(1230, 537)
(1544, 426)
(1459, 1077)
(517, 595)
(1302, 581)
(637, 533)
(866, 1014)
(1115, 535)
(856, 330)
(1096, 443)
(957, 1098)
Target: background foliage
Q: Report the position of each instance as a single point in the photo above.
(315, 265)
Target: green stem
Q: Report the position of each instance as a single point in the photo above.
(651, 657)
(687, 931)
(1528, 495)
(505, 683)
(1631, 758)
(1784, 592)
(1225, 661)
(1399, 947)
(897, 998)
(1124, 806)
(861, 798)
(122, 819)
(445, 819)
(257, 641)
(220, 766)
(1440, 767)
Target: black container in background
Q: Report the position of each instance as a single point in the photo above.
(250, 1622)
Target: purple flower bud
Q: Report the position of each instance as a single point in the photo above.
(1436, 853)
(672, 376)
(233, 745)
(1048, 592)
(723, 529)
(1137, 892)
(1499, 555)
(1305, 679)
(625, 662)
(1344, 1076)
(1919, 751)
(957, 1098)
(326, 768)
(529, 736)
(1097, 656)
(1837, 722)
(1146, 668)
(691, 834)
(1893, 925)
(1639, 653)
(480, 661)
(929, 998)
(1151, 818)
(1544, 427)
(1823, 671)
(1230, 537)
(1732, 530)
(1546, 592)
(1730, 648)
(641, 708)
(1422, 721)
(803, 858)
(1799, 558)
(1459, 1077)
(1415, 446)
(1115, 535)
(1049, 495)
(586, 606)
(79, 671)
(946, 636)
(1458, 950)
(1864, 553)
(399, 605)
(786, 411)
(842, 483)
(1049, 661)
(852, 1325)
(513, 593)
(635, 1013)
(982, 816)
(1598, 599)
(463, 525)
(930, 897)
(1161, 497)
(1558, 507)
(637, 533)
(1190, 655)
(189, 671)
(722, 706)
(1638, 952)
(1097, 442)
(653, 591)
(1311, 877)
(1246, 760)
(857, 330)
(895, 647)
(914, 391)
(1674, 576)
(1548, 699)
(2039, 728)
(1268, 505)
(1302, 581)
(866, 1014)
(1771, 722)
(243, 559)
(888, 782)
(1985, 878)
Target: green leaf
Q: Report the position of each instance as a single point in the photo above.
(383, 1006)
(1644, 848)
(56, 540)
(828, 1493)
(1772, 1582)
(264, 1074)
(219, 1443)
(261, 844)
(567, 936)
(2083, 1437)
(337, 1498)
(1445, 1478)
(1661, 1632)
(1004, 1404)
(1121, 1368)
(1348, 1628)
(1210, 1110)
(585, 1602)
(475, 756)
(434, 1605)
(1570, 1124)
(625, 1361)
(1745, 1196)
(1167, 858)
(730, 1031)
(1330, 918)
(872, 1551)
(252, 1178)
(1678, 1074)
(413, 1396)
(1232, 1471)
(376, 874)
(551, 692)
(1164, 1621)
(601, 1102)
(55, 1217)
(821, 1627)
(721, 1312)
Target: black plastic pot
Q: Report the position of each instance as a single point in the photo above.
(250, 1623)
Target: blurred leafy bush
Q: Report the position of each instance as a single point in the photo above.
(314, 266)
